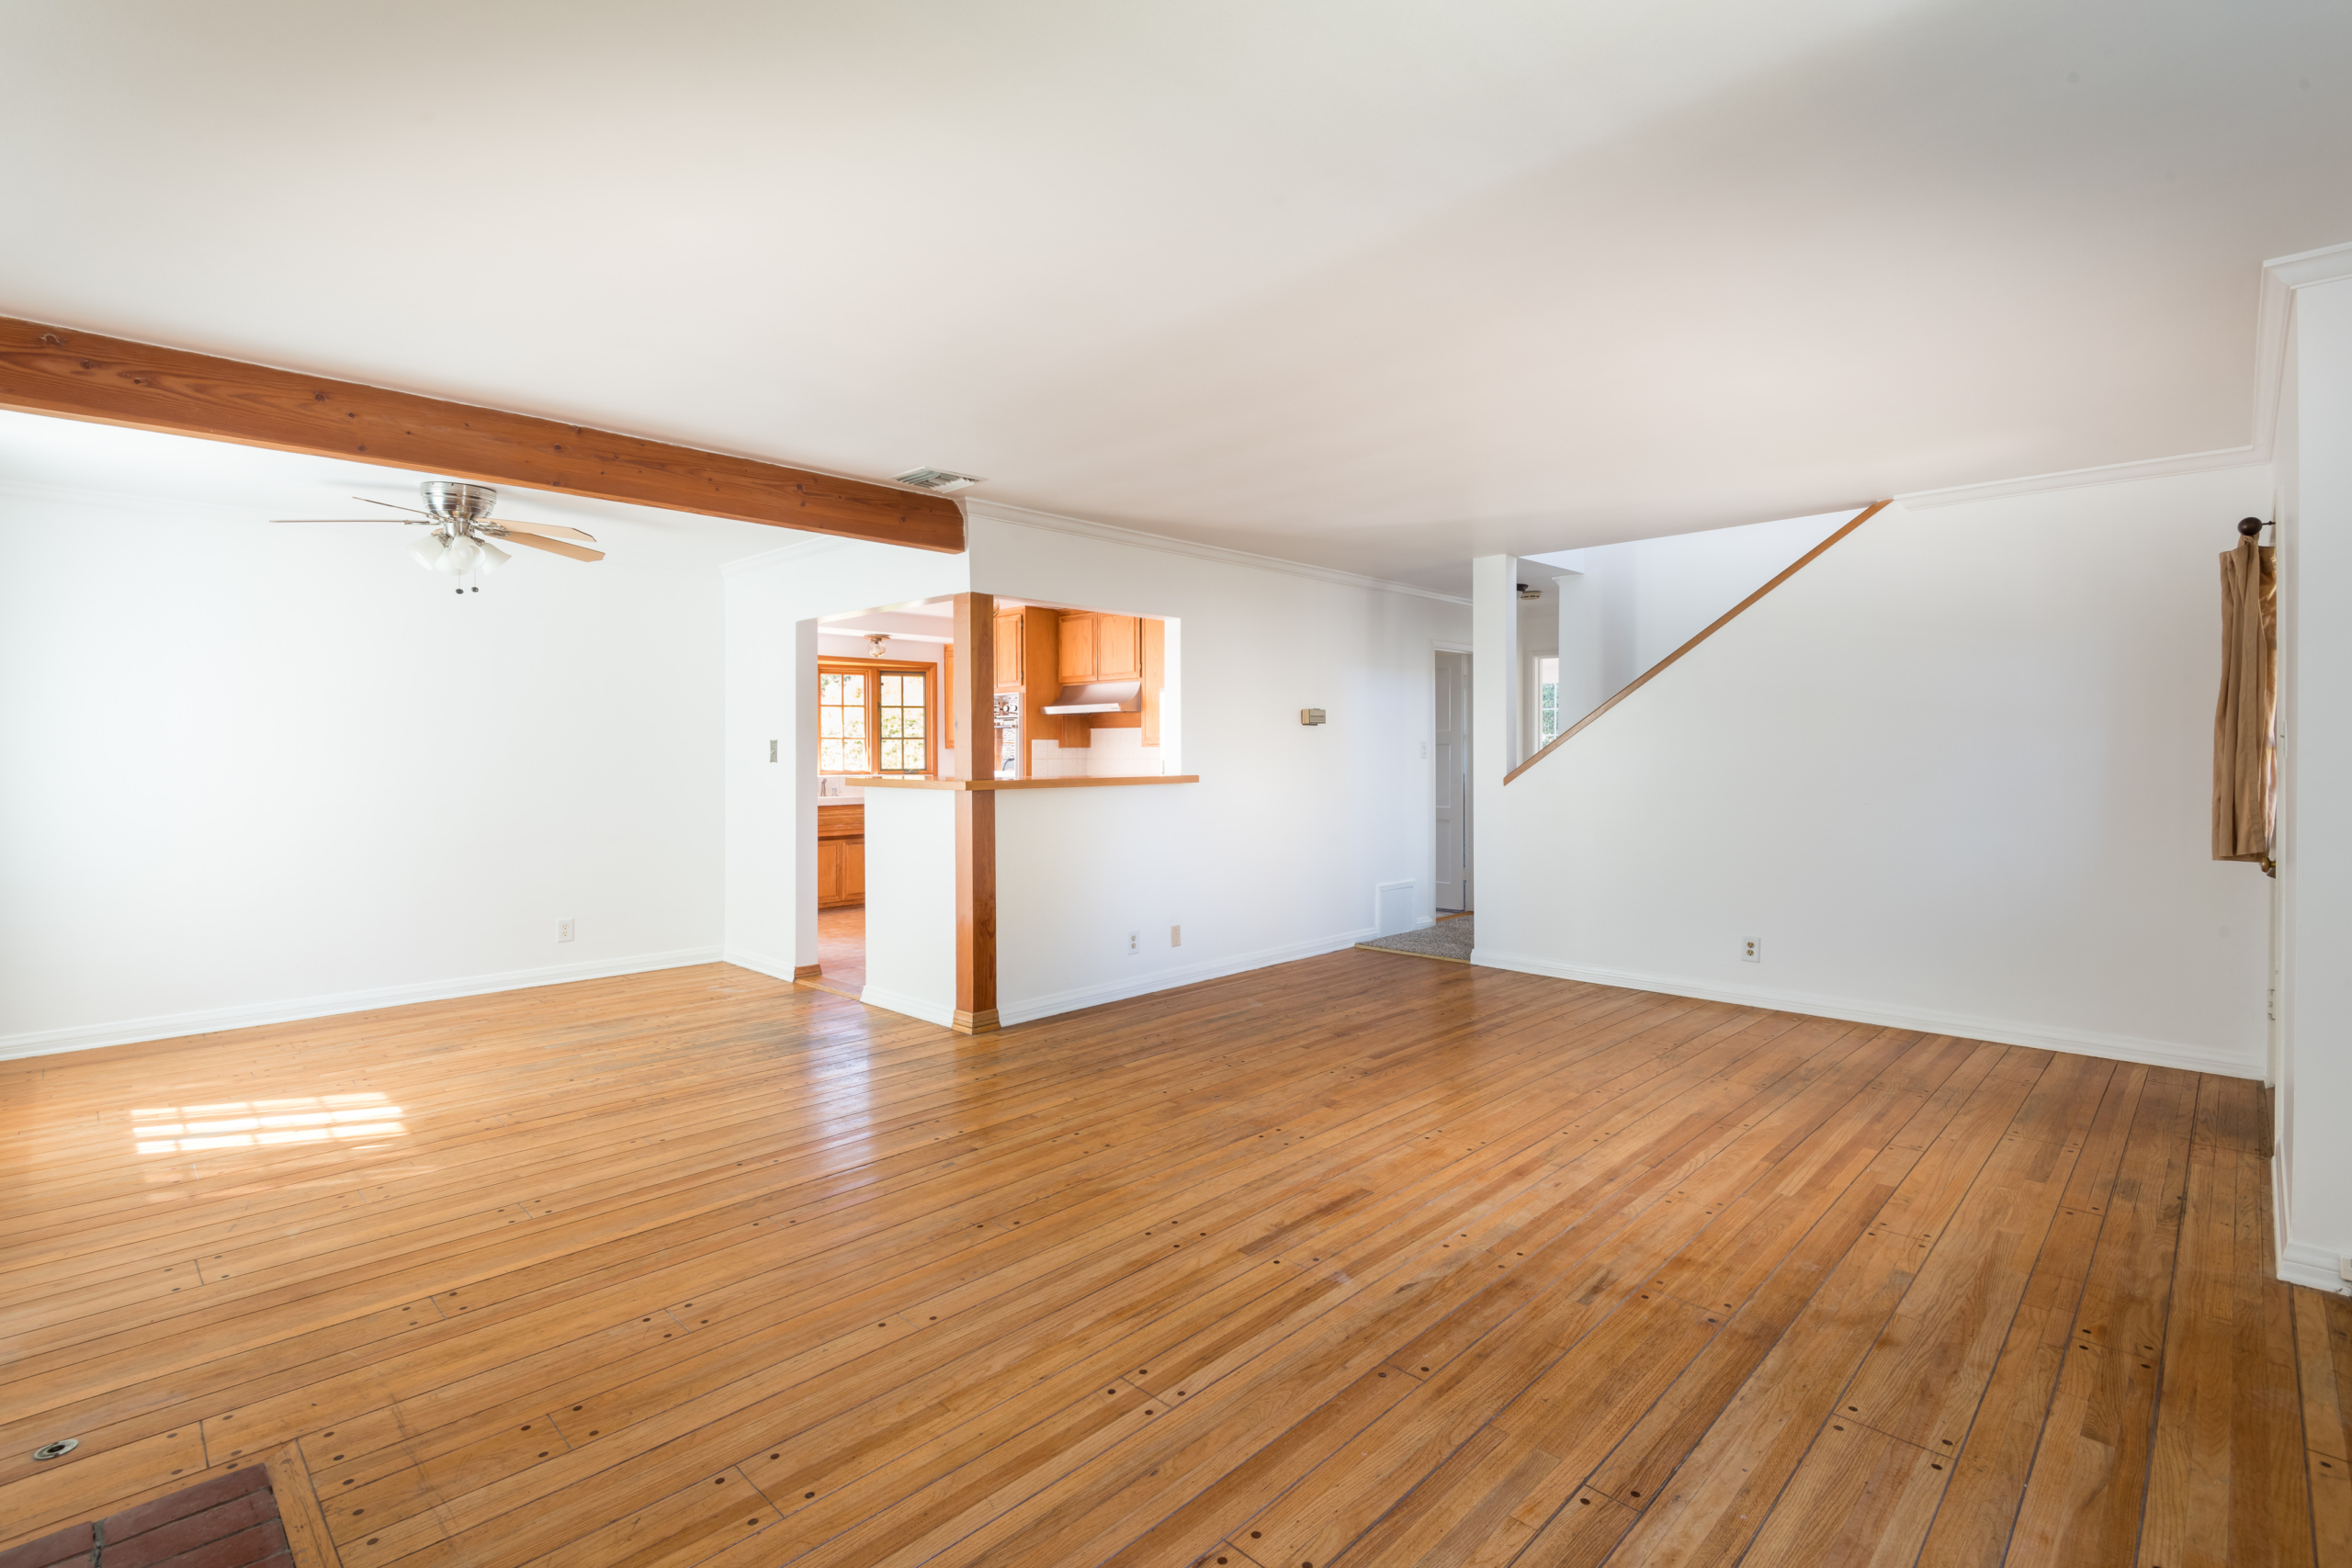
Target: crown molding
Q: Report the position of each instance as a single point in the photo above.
(2113, 473)
(1054, 523)
(2273, 321)
(2306, 268)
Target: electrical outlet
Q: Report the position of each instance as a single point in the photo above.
(1175, 936)
(1135, 944)
(1425, 751)
(563, 931)
(1751, 949)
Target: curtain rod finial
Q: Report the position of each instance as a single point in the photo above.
(2251, 526)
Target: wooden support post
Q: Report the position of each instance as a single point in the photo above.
(975, 729)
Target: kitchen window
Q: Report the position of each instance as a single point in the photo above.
(875, 717)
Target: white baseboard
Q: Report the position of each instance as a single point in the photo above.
(207, 1020)
(942, 1014)
(2004, 1031)
(2301, 1263)
(1031, 1007)
(743, 958)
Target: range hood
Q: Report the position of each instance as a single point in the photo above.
(1099, 697)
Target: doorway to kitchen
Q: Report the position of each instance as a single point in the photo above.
(1450, 757)
(1054, 695)
(881, 676)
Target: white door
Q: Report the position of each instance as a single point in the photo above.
(1451, 756)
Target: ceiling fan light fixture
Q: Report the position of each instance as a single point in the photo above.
(459, 557)
(428, 550)
(492, 557)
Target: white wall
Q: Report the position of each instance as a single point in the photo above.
(253, 773)
(1275, 853)
(2314, 1169)
(1639, 601)
(1955, 775)
(911, 902)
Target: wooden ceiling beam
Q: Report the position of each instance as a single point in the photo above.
(75, 375)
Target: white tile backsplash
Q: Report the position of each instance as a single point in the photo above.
(1114, 754)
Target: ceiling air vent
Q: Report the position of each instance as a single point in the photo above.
(936, 479)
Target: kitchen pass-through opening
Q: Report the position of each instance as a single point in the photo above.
(1074, 693)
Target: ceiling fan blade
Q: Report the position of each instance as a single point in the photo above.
(334, 520)
(365, 501)
(546, 530)
(554, 547)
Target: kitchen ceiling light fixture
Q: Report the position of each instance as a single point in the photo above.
(878, 641)
(461, 536)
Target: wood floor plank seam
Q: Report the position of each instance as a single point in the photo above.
(2163, 1337)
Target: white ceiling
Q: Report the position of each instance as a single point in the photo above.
(1371, 284)
(180, 474)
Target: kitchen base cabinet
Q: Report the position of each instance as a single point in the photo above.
(841, 855)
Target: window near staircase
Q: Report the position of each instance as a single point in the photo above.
(1547, 700)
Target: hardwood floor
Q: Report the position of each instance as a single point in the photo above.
(1345, 1262)
(840, 946)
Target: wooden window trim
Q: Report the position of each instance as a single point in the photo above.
(878, 667)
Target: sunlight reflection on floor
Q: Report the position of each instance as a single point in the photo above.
(171, 1129)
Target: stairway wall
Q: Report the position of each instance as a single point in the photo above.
(1954, 775)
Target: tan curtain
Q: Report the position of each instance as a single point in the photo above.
(2245, 766)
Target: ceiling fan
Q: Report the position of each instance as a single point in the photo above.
(462, 536)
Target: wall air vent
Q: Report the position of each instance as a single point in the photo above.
(936, 479)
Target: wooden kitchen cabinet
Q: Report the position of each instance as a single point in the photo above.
(1008, 649)
(1118, 648)
(1077, 649)
(1028, 657)
(1100, 648)
(841, 876)
(841, 854)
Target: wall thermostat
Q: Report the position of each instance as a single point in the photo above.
(1310, 716)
